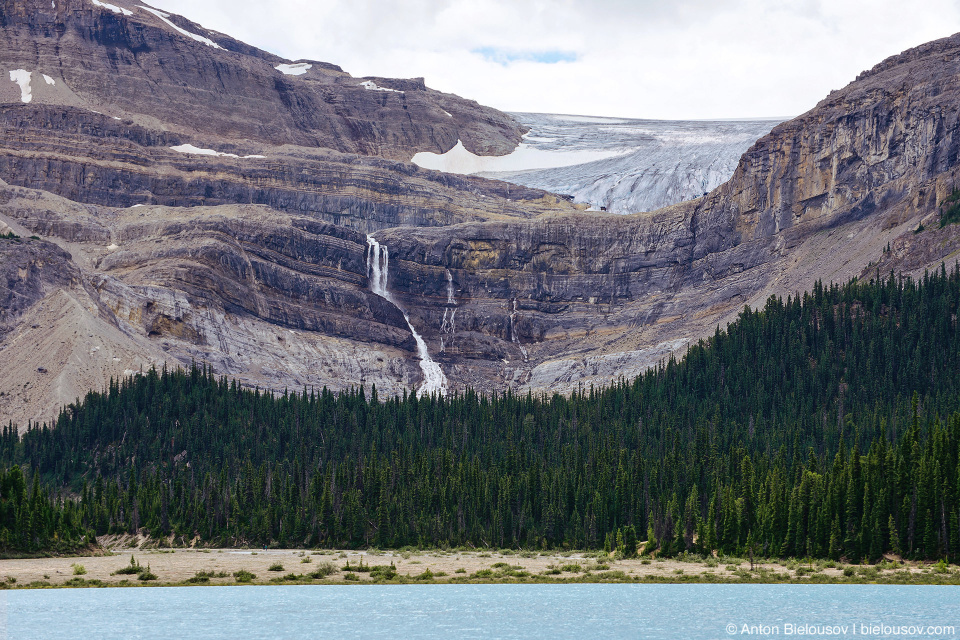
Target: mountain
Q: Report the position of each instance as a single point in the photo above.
(622, 165)
(833, 194)
(195, 199)
(201, 199)
(162, 71)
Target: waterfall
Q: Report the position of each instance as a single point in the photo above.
(513, 331)
(450, 313)
(378, 270)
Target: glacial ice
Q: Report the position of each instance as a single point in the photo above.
(665, 162)
(524, 158)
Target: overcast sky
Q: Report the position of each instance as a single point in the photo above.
(672, 59)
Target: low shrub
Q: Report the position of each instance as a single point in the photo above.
(383, 572)
(244, 576)
(131, 569)
(323, 570)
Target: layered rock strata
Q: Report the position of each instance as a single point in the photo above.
(240, 240)
(157, 68)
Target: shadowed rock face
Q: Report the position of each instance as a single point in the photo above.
(30, 270)
(258, 265)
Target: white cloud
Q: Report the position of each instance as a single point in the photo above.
(637, 58)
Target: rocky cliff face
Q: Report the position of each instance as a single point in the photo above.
(91, 158)
(820, 197)
(131, 61)
(166, 240)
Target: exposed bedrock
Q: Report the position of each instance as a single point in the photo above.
(820, 197)
(29, 270)
(258, 265)
(134, 63)
(91, 158)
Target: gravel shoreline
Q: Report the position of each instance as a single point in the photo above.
(218, 566)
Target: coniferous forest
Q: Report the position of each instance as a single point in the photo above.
(824, 425)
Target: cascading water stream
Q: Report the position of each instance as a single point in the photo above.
(513, 331)
(450, 313)
(378, 269)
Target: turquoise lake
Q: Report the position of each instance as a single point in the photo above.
(688, 612)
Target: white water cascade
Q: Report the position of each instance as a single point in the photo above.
(513, 331)
(450, 313)
(378, 268)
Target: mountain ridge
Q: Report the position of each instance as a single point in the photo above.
(162, 243)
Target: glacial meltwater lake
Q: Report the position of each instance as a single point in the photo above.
(686, 612)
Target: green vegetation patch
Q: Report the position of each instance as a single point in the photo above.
(950, 215)
(244, 576)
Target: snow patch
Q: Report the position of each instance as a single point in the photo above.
(137, 205)
(197, 151)
(523, 158)
(370, 85)
(297, 69)
(189, 148)
(49, 80)
(165, 17)
(113, 247)
(447, 113)
(112, 7)
(22, 78)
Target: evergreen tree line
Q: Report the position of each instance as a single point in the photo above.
(32, 520)
(823, 425)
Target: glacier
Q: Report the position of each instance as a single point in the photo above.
(652, 163)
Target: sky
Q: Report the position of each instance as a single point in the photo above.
(663, 59)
